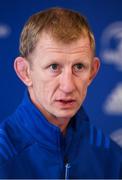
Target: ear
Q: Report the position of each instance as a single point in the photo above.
(22, 69)
(94, 69)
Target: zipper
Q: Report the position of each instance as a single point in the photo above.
(67, 167)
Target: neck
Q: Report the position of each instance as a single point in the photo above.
(62, 123)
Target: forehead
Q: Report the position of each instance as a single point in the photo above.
(49, 44)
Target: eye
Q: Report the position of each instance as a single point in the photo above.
(78, 67)
(54, 67)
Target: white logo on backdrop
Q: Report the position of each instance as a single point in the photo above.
(111, 42)
(113, 103)
(111, 53)
(5, 30)
(117, 136)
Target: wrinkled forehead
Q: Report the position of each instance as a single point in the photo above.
(47, 43)
(48, 49)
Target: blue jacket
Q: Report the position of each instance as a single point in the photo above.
(31, 147)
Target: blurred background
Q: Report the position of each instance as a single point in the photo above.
(104, 100)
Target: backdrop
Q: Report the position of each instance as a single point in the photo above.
(104, 99)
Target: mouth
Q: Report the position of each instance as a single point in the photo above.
(66, 103)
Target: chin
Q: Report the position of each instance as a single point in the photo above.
(66, 115)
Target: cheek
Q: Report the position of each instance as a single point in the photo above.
(47, 89)
(82, 88)
(40, 81)
(86, 79)
(39, 86)
(82, 83)
(85, 87)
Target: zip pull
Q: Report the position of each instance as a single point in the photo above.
(67, 167)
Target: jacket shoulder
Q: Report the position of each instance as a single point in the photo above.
(7, 149)
(13, 139)
(104, 142)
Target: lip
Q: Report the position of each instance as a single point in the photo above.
(67, 103)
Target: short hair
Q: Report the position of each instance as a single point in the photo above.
(63, 25)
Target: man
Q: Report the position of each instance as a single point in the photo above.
(49, 135)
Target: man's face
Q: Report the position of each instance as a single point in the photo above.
(60, 76)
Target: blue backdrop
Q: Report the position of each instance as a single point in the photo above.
(104, 99)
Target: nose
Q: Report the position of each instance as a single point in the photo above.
(67, 84)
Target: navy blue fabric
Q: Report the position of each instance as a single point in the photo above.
(31, 147)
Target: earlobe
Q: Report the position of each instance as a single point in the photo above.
(95, 68)
(22, 70)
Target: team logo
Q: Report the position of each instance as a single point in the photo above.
(117, 136)
(111, 53)
(113, 103)
(111, 43)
